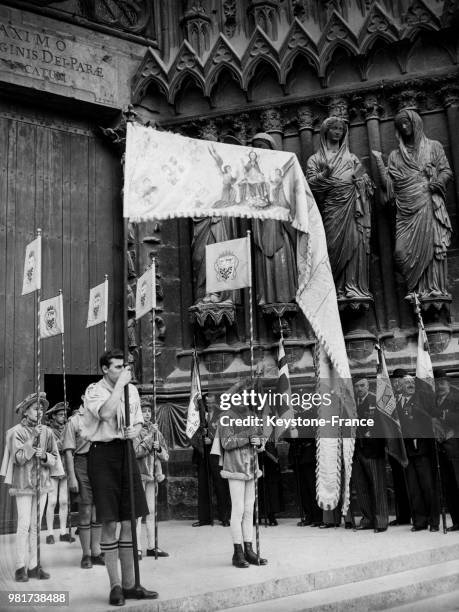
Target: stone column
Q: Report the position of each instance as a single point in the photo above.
(306, 129)
(372, 112)
(451, 104)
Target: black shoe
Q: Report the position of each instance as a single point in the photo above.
(201, 523)
(139, 555)
(396, 522)
(50, 539)
(160, 553)
(326, 525)
(348, 525)
(86, 562)
(38, 573)
(66, 538)
(20, 575)
(380, 529)
(238, 559)
(98, 559)
(273, 522)
(303, 523)
(414, 528)
(116, 596)
(251, 557)
(139, 592)
(315, 524)
(225, 523)
(454, 527)
(363, 527)
(433, 528)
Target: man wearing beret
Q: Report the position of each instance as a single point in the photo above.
(369, 467)
(57, 416)
(402, 503)
(105, 427)
(29, 445)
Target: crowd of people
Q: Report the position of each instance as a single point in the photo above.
(86, 456)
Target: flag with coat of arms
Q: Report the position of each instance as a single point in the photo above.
(52, 317)
(193, 418)
(145, 298)
(98, 304)
(32, 267)
(228, 265)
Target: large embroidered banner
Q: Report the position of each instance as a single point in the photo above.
(168, 175)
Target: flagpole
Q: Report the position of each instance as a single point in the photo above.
(417, 310)
(106, 309)
(255, 475)
(69, 512)
(155, 436)
(39, 413)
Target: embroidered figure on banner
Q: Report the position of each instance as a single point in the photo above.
(254, 188)
(50, 318)
(226, 266)
(277, 189)
(143, 293)
(229, 194)
(30, 267)
(96, 306)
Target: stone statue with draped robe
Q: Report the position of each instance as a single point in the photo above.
(416, 178)
(343, 192)
(275, 246)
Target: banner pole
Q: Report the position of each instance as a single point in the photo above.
(255, 462)
(129, 445)
(156, 437)
(39, 415)
(106, 310)
(417, 310)
(64, 382)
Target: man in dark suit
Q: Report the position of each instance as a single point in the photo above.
(447, 428)
(416, 422)
(208, 468)
(369, 467)
(402, 503)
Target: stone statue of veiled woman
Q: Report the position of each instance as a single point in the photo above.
(416, 179)
(343, 191)
(275, 242)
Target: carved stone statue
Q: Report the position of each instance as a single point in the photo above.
(208, 230)
(416, 179)
(275, 241)
(343, 191)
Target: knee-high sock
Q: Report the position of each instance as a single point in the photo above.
(110, 550)
(237, 488)
(127, 564)
(96, 532)
(52, 500)
(247, 517)
(84, 532)
(63, 505)
(139, 533)
(150, 518)
(33, 528)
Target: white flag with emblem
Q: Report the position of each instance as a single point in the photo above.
(32, 267)
(98, 304)
(145, 298)
(52, 317)
(193, 418)
(228, 265)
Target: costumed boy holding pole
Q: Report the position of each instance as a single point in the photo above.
(30, 444)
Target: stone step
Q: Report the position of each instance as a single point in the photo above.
(373, 594)
(448, 602)
(384, 581)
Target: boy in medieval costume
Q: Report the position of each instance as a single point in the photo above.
(30, 447)
(57, 416)
(150, 449)
(236, 446)
(76, 449)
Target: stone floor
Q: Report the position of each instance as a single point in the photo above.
(198, 575)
